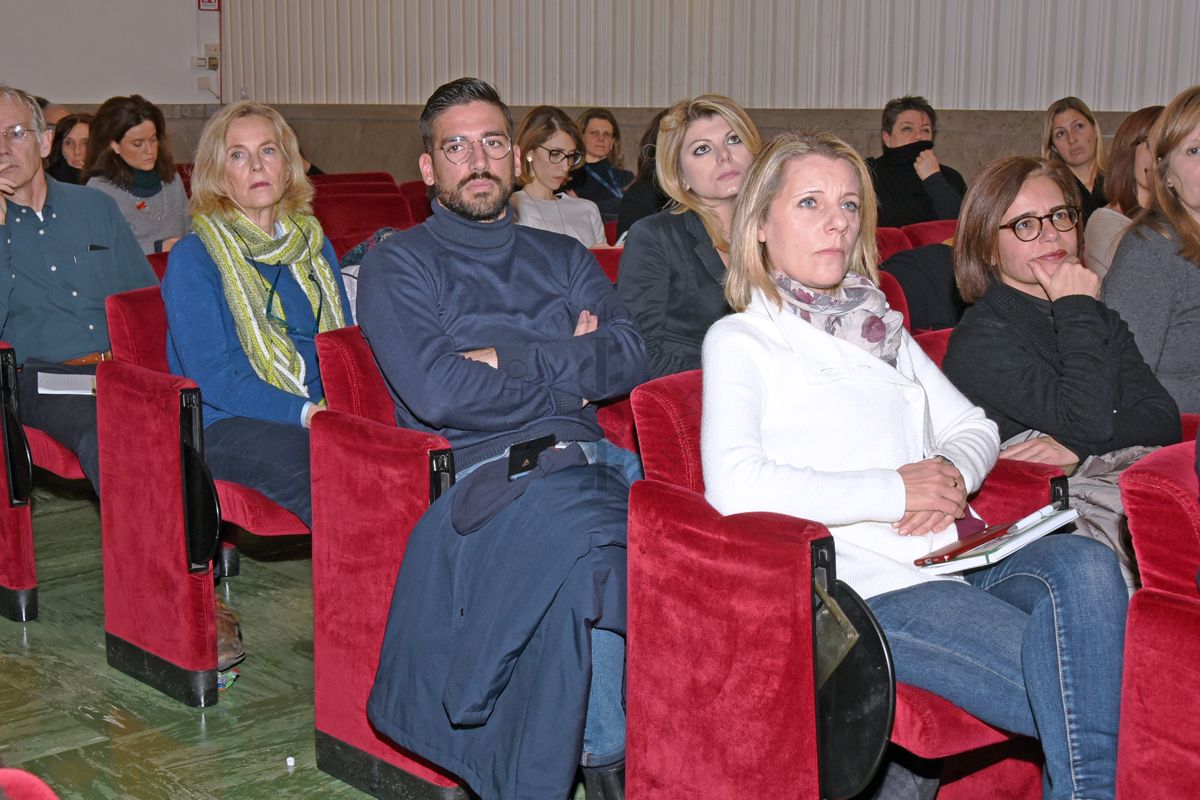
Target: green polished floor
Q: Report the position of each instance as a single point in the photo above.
(92, 732)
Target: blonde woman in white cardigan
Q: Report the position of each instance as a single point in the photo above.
(818, 404)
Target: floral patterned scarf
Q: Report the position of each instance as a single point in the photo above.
(857, 313)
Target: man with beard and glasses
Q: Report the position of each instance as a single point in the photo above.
(503, 660)
(910, 183)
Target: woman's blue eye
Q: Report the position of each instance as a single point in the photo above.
(1191, 151)
(807, 202)
(701, 150)
(851, 205)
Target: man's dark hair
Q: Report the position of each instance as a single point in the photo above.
(456, 93)
(909, 102)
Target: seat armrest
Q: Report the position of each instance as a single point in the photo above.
(1013, 489)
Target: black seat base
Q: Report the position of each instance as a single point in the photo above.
(377, 778)
(191, 687)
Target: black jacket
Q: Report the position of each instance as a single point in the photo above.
(671, 282)
(905, 199)
(1069, 369)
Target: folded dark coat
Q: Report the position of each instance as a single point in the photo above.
(486, 662)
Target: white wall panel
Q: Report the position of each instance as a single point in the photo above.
(970, 54)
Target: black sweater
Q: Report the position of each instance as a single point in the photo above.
(1069, 369)
(905, 199)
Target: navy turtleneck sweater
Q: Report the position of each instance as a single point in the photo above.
(450, 285)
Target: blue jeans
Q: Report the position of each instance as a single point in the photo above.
(1032, 645)
(604, 727)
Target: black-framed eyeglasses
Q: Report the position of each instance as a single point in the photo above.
(557, 156)
(1029, 227)
(457, 149)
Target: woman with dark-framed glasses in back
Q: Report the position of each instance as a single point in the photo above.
(551, 148)
(246, 293)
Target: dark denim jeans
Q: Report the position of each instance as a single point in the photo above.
(1032, 645)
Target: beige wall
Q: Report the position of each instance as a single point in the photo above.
(348, 138)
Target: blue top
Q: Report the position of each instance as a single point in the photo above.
(57, 270)
(202, 342)
(449, 285)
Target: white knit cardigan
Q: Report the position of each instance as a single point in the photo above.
(798, 422)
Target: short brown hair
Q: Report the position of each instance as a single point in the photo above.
(750, 265)
(113, 120)
(1071, 104)
(671, 132)
(1120, 184)
(976, 243)
(614, 155)
(208, 176)
(538, 126)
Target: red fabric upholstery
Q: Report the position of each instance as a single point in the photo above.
(1160, 495)
(610, 260)
(936, 232)
(934, 343)
(894, 293)
(158, 263)
(417, 194)
(370, 485)
(610, 231)
(667, 412)
(720, 692)
(137, 328)
(48, 454)
(185, 174)
(17, 784)
(350, 177)
(890, 241)
(150, 600)
(357, 187)
(1158, 752)
(348, 219)
(1191, 426)
(350, 377)
(18, 569)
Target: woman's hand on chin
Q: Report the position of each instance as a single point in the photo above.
(1070, 278)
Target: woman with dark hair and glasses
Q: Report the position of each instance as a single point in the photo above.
(1051, 365)
(246, 293)
(128, 158)
(551, 148)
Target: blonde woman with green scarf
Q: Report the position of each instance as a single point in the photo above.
(246, 293)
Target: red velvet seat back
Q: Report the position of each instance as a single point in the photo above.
(934, 343)
(890, 241)
(348, 219)
(894, 293)
(357, 187)
(417, 194)
(185, 174)
(610, 231)
(935, 232)
(610, 260)
(158, 263)
(1160, 495)
(666, 412)
(352, 380)
(351, 177)
(137, 328)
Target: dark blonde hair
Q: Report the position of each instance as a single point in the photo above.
(750, 265)
(538, 126)
(1174, 125)
(209, 195)
(1071, 104)
(1120, 184)
(614, 155)
(671, 133)
(977, 241)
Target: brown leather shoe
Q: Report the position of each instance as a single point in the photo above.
(230, 651)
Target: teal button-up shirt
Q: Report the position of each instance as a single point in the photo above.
(57, 268)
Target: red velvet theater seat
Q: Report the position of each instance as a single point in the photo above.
(348, 219)
(1158, 753)
(981, 761)
(934, 232)
(328, 178)
(609, 259)
(889, 241)
(371, 482)
(23, 447)
(894, 293)
(417, 194)
(158, 615)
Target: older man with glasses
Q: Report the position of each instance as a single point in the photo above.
(63, 250)
(501, 338)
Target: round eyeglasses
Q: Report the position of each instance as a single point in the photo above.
(557, 156)
(457, 149)
(1029, 227)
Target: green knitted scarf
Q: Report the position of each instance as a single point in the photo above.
(233, 245)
